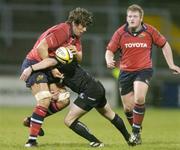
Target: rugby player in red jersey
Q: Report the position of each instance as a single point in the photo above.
(91, 94)
(134, 40)
(51, 96)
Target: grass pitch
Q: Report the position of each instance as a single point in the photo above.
(161, 131)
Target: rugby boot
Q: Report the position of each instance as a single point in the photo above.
(31, 143)
(96, 144)
(135, 139)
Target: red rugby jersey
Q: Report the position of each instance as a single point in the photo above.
(56, 36)
(135, 48)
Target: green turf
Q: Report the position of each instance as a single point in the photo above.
(161, 131)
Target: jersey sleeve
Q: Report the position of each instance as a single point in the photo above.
(158, 39)
(113, 45)
(56, 38)
(52, 41)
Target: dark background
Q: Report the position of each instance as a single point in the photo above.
(21, 22)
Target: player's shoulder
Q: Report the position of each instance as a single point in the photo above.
(64, 26)
(122, 28)
(149, 28)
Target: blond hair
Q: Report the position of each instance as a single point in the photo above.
(136, 7)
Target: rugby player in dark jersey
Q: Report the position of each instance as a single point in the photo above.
(91, 94)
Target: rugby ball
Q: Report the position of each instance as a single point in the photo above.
(64, 55)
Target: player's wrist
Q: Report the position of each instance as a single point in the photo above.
(32, 68)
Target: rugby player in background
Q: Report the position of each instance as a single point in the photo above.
(51, 96)
(134, 40)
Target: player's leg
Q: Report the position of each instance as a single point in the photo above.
(60, 99)
(141, 85)
(76, 111)
(43, 97)
(26, 123)
(125, 82)
(38, 82)
(115, 119)
(128, 105)
(140, 91)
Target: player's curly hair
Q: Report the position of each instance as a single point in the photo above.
(80, 16)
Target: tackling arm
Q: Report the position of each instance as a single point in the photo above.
(46, 63)
(167, 52)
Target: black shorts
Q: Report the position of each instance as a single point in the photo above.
(126, 79)
(41, 76)
(92, 97)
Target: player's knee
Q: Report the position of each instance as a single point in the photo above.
(69, 119)
(43, 98)
(107, 112)
(128, 108)
(140, 100)
(109, 115)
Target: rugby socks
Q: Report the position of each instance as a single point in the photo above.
(119, 124)
(138, 116)
(129, 116)
(82, 130)
(36, 121)
(54, 107)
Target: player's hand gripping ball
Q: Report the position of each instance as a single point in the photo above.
(64, 55)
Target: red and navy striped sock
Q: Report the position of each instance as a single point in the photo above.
(54, 107)
(36, 121)
(138, 116)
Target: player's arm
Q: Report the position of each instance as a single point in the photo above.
(42, 49)
(109, 57)
(79, 56)
(49, 42)
(112, 47)
(167, 52)
(160, 41)
(75, 52)
(45, 63)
